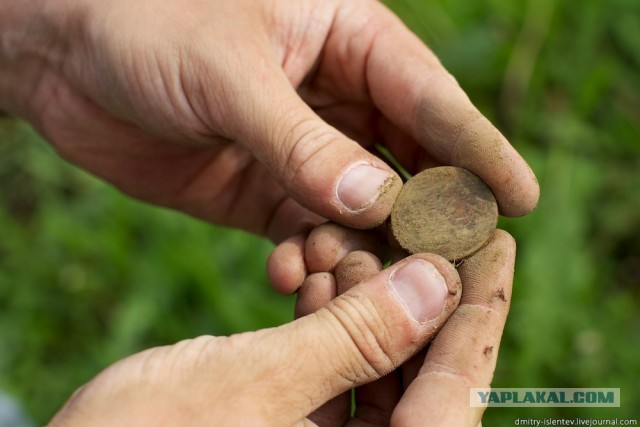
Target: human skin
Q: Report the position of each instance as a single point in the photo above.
(247, 113)
(255, 115)
(431, 388)
(281, 376)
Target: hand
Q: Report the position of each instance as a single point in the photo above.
(276, 376)
(432, 388)
(279, 376)
(247, 113)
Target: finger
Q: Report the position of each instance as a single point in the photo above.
(404, 148)
(465, 352)
(221, 183)
(249, 199)
(411, 368)
(286, 268)
(243, 95)
(329, 243)
(355, 268)
(374, 401)
(438, 113)
(360, 336)
(412, 89)
(356, 121)
(318, 166)
(335, 412)
(289, 218)
(316, 291)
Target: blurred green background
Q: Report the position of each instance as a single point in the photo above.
(88, 276)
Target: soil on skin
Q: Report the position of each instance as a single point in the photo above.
(356, 267)
(447, 210)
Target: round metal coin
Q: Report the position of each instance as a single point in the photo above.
(446, 210)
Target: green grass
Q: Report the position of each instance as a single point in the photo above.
(88, 276)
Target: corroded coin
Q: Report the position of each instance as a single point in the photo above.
(446, 210)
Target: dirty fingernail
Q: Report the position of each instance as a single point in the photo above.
(421, 288)
(361, 186)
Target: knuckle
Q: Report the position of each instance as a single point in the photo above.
(432, 368)
(299, 140)
(485, 314)
(368, 344)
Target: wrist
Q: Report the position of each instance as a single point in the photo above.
(29, 46)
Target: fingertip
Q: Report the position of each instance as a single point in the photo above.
(499, 253)
(524, 198)
(329, 243)
(503, 239)
(429, 287)
(355, 268)
(447, 124)
(447, 270)
(368, 194)
(497, 162)
(286, 268)
(488, 274)
(316, 291)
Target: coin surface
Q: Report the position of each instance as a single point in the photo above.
(446, 210)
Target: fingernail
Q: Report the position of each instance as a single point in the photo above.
(361, 186)
(421, 288)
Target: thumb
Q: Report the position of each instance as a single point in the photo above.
(365, 333)
(319, 167)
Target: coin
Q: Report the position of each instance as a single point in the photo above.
(445, 210)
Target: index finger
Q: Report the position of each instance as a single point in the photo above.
(415, 92)
(464, 353)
